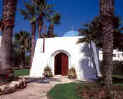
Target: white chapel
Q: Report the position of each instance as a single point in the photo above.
(63, 53)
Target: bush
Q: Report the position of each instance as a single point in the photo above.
(7, 76)
(72, 73)
(47, 72)
(117, 67)
(21, 72)
(96, 91)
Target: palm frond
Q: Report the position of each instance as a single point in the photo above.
(91, 31)
(49, 6)
(30, 8)
(82, 40)
(24, 13)
(55, 19)
(86, 25)
(121, 28)
(33, 19)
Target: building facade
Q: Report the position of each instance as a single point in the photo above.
(63, 53)
(117, 55)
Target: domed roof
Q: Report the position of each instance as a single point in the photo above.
(71, 33)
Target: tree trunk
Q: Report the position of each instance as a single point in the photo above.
(9, 10)
(1, 25)
(24, 60)
(51, 30)
(107, 14)
(40, 24)
(33, 40)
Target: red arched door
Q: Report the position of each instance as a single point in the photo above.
(61, 64)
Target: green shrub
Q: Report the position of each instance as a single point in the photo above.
(96, 91)
(21, 72)
(117, 67)
(72, 73)
(47, 72)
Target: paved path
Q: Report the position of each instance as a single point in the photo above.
(36, 90)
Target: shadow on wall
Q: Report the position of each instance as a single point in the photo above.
(86, 63)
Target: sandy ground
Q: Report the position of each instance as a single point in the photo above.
(36, 89)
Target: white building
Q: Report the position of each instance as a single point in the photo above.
(117, 55)
(62, 53)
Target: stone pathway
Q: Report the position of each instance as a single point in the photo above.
(36, 90)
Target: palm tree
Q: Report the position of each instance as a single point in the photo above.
(118, 34)
(40, 5)
(55, 19)
(44, 11)
(22, 45)
(107, 27)
(29, 13)
(91, 32)
(36, 12)
(8, 16)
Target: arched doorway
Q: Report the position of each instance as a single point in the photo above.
(61, 64)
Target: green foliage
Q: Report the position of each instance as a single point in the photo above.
(22, 47)
(92, 31)
(21, 72)
(117, 67)
(55, 18)
(72, 73)
(23, 39)
(118, 33)
(29, 12)
(47, 72)
(64, 91)
(27, 59)
(39, 11)
(97, 91)
(34, 10)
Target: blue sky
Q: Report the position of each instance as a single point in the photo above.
(74, 13)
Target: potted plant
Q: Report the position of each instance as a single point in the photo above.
(72, 73)
(47, 72)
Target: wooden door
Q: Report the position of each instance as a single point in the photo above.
(64, 64)
(57, 64)
(61, 64)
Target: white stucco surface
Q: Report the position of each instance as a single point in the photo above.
(78, 55)
(117, 55)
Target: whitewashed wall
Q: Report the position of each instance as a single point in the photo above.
(117, 55)
(67, 45)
